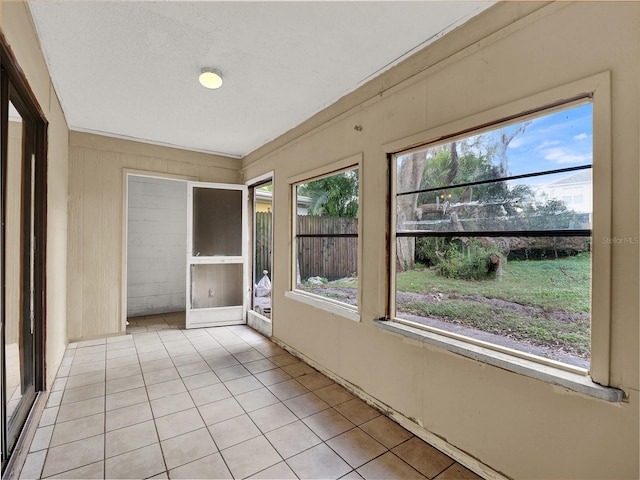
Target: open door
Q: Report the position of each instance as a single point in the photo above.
(217, 253)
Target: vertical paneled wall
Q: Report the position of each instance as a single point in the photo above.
(96, 236)
(156, 245)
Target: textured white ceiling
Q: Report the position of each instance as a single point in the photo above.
(130, 69)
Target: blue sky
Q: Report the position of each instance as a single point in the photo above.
(559, 140)
(552, 141)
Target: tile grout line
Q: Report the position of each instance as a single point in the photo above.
(264, 434)
(106, 370)
(195, 406)
(188, 391)
(55, 420)
(200, 414)
(104, 420)
(146, 391)
(224, 460)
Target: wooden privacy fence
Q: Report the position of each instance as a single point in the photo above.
(263, 246)
(326, 257)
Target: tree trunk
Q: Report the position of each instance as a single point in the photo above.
(453, 164)
(505, 140)
(409, 178)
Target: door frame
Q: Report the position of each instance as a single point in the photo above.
(226, 312)
(254, 319)
(125, 229)
(14, 88)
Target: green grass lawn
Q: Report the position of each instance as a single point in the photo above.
(549, 301)
(562, 284)
(570, 337)
(560, 288)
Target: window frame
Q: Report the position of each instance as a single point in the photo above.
(597, 89)
(336, 307)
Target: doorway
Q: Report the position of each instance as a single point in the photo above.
(186, 250)
(260, 313)
(156, 226)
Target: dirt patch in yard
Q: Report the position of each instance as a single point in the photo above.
(555, 315)
(549, 334)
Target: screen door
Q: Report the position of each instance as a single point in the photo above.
(217, 251)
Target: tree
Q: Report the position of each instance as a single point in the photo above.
(334, 196)
(505, 140)
(411, 167)
(472, 159)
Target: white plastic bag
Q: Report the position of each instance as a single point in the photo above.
(263, 288)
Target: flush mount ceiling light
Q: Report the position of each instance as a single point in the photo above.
(210, 78)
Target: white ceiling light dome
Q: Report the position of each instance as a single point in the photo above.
(210, 78)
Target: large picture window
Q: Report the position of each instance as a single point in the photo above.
(492, 236)
(326, 237)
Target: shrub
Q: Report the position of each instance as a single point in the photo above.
(426, 249)
(468, 262)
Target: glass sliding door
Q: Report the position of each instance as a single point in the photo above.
(22, 241)
(18, 334)
(12, 331)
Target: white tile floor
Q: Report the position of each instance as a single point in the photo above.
(164, 402)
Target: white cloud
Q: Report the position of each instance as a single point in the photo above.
(548, 143)
(581, 136)
(564, 155)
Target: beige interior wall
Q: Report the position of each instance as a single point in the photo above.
(522, 427)
(17, 27)
(96, 228)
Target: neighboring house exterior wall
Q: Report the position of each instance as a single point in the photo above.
(574, 191)
(264, 202)
(263, 207)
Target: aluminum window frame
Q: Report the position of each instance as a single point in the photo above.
(597, 89)
(353, 162)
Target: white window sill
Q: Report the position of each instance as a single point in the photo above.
(326, 304)
(572, 381)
